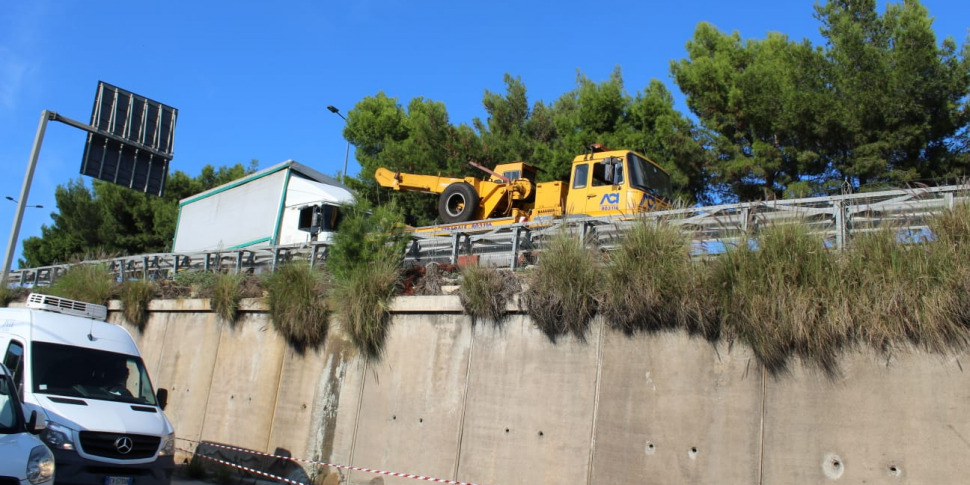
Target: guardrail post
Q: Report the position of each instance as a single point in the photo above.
(456, 239)
(840, 224)
(515, 248)
(239, 258)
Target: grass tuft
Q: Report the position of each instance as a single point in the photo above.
(561, 297)
(365, 260)
(7, 295)
(91, 283)
(298, 304)
(775, 297)
(485, 292)
(651, 284)
(224, 296)
(135, 296)
(362, 303)
(192, 284)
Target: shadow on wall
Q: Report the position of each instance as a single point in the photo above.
(278, 464)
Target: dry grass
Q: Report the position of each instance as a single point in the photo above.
(6, 296)
(361, 299)
(135, 296)
(298, 304)
(775, 297)
(485, 292)
(562, 296)
(92, 283)
(651, 284)
(224, 295)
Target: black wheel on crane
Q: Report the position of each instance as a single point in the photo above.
(457, 203)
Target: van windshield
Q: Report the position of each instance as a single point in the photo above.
(69, 371)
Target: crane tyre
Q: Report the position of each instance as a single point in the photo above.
(458, 203)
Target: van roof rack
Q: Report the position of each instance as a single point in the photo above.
(68, 307)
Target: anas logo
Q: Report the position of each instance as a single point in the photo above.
(648, 202)
(610, 202)
(124, 445)
(612, 198)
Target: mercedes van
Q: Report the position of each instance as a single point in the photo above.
(105, 423)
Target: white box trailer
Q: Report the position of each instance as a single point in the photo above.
(262, 209)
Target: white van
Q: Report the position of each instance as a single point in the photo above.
(105, 424)
(23, 458)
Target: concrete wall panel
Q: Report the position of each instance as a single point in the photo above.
(410, 417)
(333, 419)
(676, 410)
(310, 392)
(898, 420)
(245, 383)
(528, 415)
(187, 359)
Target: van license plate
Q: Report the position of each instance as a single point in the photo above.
(118, 480)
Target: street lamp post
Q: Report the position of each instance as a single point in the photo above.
(38, 206)
(343, 176)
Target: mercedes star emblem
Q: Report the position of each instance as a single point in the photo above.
(123, 445)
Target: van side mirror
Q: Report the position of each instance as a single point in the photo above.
(162, 396)
(36, 421)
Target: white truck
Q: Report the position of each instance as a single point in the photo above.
(105, 423)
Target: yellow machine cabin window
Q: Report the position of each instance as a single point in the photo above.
(580, 174)
(608, 172)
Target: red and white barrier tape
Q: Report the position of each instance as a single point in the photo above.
(320, 463)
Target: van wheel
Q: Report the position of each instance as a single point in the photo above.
(457, 203)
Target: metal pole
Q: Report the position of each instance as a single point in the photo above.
(343, 175)
(24, 192)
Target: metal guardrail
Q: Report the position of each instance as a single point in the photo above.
(712, 229)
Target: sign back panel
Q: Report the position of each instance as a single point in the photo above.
(131, 144)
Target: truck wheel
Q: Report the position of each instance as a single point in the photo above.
(457, 203)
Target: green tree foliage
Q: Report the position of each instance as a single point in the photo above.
(900, 97)
(110, 219)
(368, 235)
(880, 104)
(763, 100)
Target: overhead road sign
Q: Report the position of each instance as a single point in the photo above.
(129, 141)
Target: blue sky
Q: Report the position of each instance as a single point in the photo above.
(252, 80)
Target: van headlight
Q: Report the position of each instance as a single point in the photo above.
(58, 436)
(168, 445)
(40, 466)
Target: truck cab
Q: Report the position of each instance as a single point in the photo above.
(105, 423)
(613, 182)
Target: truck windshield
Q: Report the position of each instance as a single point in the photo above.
(649, 178)
(69, 371)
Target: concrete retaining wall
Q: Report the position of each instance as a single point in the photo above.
(473, 401)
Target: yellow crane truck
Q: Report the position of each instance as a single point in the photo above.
(602, 182)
